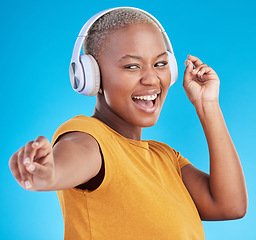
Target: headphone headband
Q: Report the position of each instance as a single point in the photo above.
(85, 29)
(77, 74)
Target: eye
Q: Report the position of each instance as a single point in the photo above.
(161, 64)
(131, 66)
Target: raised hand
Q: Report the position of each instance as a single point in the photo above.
(201, 83)
(33, 165)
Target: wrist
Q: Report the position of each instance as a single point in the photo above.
(208, 112)
(206, 105)
(51, 182)
(48, 182)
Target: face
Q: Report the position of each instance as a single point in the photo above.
(135, 74)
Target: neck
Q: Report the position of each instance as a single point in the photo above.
(104, 113)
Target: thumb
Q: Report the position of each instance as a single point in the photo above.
(40, 171)
(188, 70)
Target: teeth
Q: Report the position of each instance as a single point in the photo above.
(149, 97)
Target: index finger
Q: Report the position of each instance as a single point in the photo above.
(29, 152)
(195, 60)
(41, 142)
(32, 147)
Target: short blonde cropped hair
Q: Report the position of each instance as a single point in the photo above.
(112, 21)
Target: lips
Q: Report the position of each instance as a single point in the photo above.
(147, 103)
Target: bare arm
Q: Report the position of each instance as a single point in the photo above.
(74, 160)
(222, 194)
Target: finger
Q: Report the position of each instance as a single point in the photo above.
(42, 141)
(195, 60)
(33, 148)
(204, 70)
(188, 70)
(197, 69)
(43, 147)
(189, 67)
(25, 176)
(29, 152)
(40, 171)
(13, 165)
(42, 156)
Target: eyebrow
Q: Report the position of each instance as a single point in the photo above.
(129, 56)
(138, 57)
(162, 54)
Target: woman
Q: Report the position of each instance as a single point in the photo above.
(112, 184)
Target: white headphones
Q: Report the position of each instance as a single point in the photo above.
(84, 71)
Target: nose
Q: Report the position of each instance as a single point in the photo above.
(150, 77)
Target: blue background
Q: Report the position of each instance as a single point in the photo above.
(37, 39)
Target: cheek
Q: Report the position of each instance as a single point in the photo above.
(116, 90)
(166, 77)
(165, 82)
(116, 81)
(113, 85)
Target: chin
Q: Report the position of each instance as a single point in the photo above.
(147, 122)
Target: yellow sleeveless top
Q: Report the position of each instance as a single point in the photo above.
(142, 195)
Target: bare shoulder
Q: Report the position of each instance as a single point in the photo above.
(78, 143)
(79, 151)
(80, 138)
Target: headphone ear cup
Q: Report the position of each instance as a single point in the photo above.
(91, 75)
(173, 68)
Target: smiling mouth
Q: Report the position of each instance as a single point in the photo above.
(147, 102)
